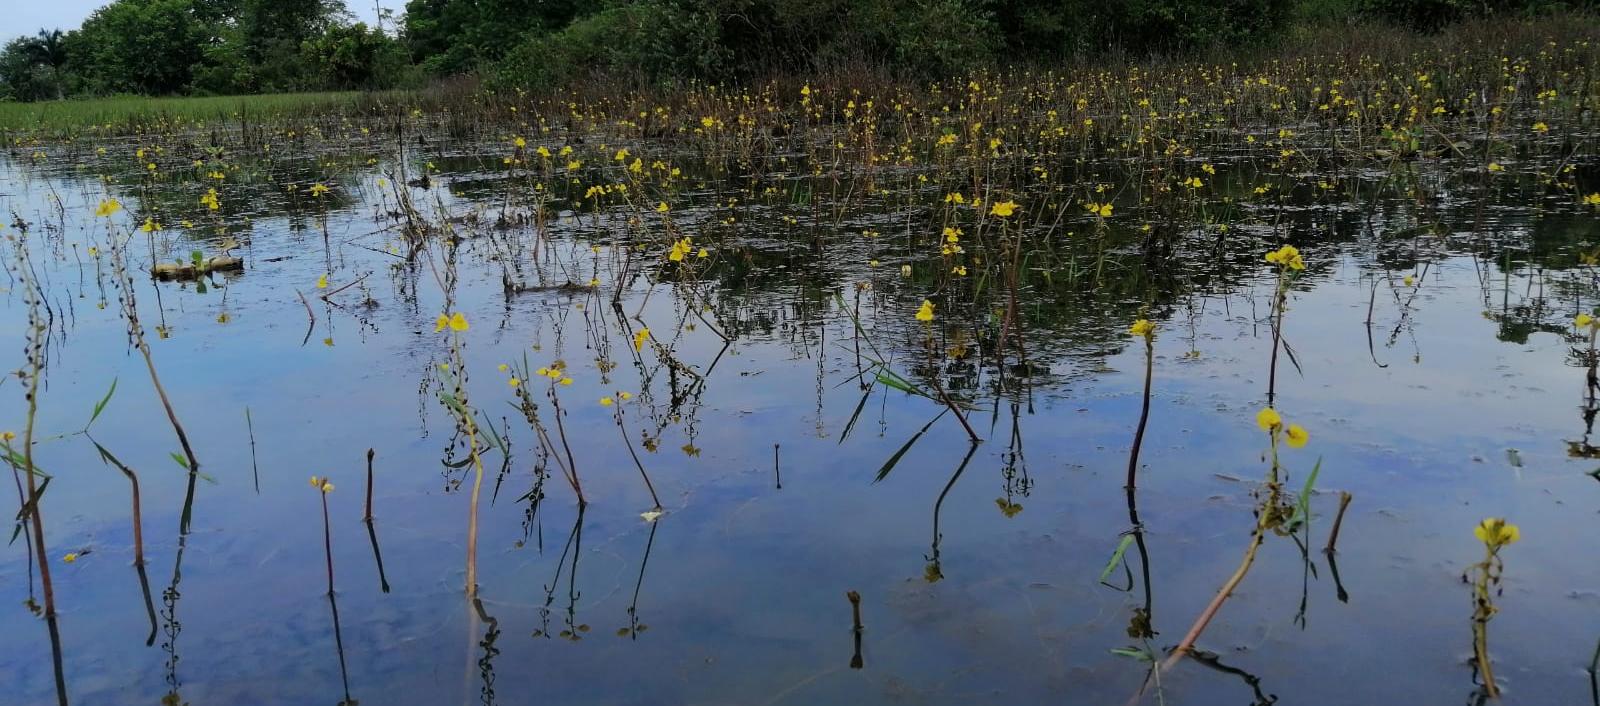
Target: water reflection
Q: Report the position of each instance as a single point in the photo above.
(574, 631)
(634, 626)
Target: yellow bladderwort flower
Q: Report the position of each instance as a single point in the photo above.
(639, 339)
(566, 381)
(1495, 532)
(625, 396)
(925, 312)
(322, 484)
(514, 381)
(318, 189)
(1003, 209)
(1540, 127)
(322, 282)
(680, 249)
(662, 207)
(1268, 419)
(1583, 321)
(1142, 327)
(502, 367)
(519, 143)
(70, 557)
(108, 208)
(458, 322)
(440, 323)
(1296, 436)
(1592, 199)
(1496, 167)
(1287, 256)
(605, 401)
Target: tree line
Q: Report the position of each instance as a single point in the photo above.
(165, 47)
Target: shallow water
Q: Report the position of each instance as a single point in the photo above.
(1456, 403)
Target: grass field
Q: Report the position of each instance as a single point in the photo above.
(123, 110)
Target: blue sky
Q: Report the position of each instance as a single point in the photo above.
(24, 17)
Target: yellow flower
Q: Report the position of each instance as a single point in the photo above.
(458, 322)
(322, 282)
(1003, 209)
(1496, 167)
(605, 401)
(625, 396)
(1495, 532)
(1408, 280)
(925, 312)
(1287, 256)
(322, 484)
(1142, 327)
(1592, 199)
(639, 339)
(70, 557)
(514, 381)
(519, 143)
(1268, 419)
(108, 208)
(440, 323)
(1296, 436)
(318, 189)
(566, 381)
(1583, 320)
(7, 436)
(679, 250)
(662, 207)
(1540, 127)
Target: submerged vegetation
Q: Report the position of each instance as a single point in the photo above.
(884, 277)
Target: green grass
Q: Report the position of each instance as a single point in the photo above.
(132, 111)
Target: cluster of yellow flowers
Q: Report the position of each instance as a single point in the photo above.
(1495, 532)
(322, 484)
(1287, 256)
(456, 322)
(1271, 422)
(556, 373)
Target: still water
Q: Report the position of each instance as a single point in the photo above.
(980, 577)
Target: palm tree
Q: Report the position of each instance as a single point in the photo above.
(49, 49)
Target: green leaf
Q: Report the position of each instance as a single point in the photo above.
(101, 405)
(1302, 507)
(180, 460)
(1116, 556)
(1133, 653)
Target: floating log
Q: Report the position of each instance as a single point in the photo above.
(191, 270)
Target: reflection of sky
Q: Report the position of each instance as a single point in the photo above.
(744, 593)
